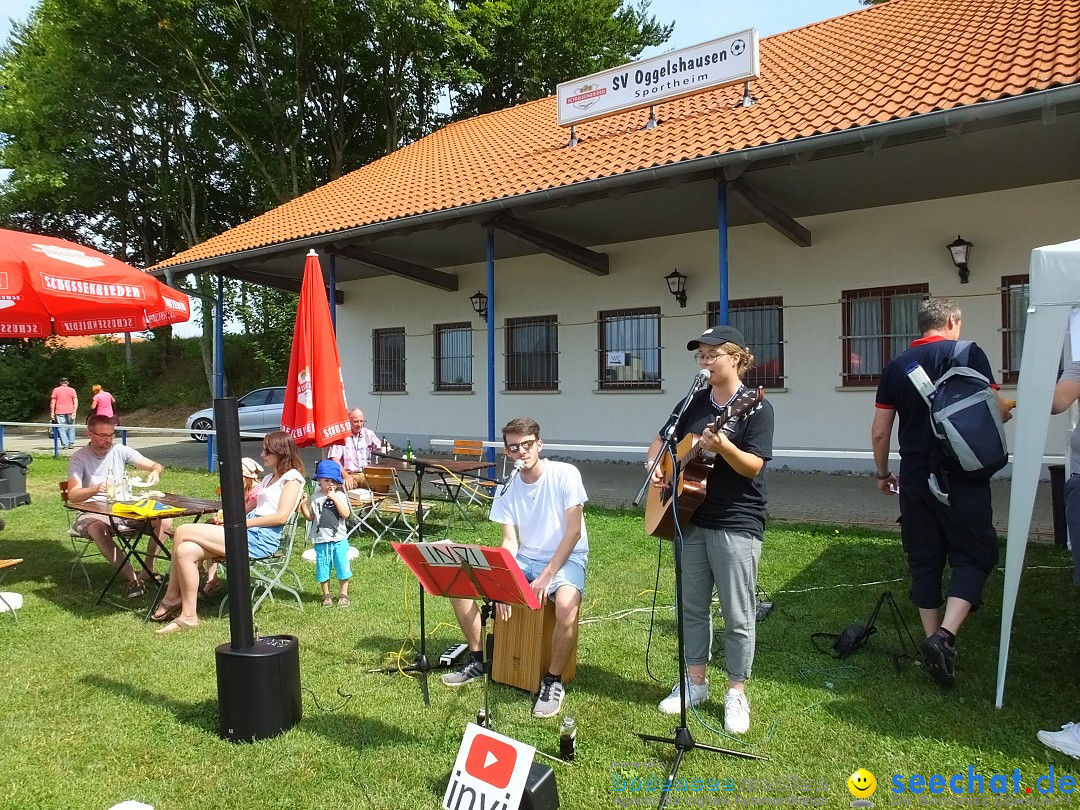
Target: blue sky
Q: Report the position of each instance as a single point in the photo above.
(695, 20)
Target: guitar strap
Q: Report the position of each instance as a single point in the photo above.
(720, 408)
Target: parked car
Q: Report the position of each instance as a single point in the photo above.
(260, 412)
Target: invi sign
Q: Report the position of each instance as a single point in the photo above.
(719, 62)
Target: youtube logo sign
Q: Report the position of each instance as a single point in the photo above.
(491, 760)
(490, 771)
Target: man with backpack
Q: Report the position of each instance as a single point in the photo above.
(944, 487)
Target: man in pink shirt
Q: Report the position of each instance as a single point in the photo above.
(355, 453)
(63, 403)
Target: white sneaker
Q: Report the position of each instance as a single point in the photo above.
(672, 704)
(736, 712)
(1067, 741)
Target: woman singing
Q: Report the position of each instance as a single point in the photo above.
(722, 546)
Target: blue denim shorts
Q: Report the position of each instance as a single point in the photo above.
(263, 541)
(572, 572)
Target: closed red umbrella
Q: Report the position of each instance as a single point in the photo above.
(49, 284)
(315, 411)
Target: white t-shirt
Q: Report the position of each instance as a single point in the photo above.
(270, 495)
(538, 510)
(92, 470)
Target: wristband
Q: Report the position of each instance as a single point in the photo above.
(884, 477)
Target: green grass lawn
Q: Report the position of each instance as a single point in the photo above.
(97, 709)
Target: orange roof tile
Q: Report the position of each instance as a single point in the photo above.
(886, 62)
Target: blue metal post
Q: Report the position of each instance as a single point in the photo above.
(332, 293)
(219, 359)
(491, 339)
(722, 241)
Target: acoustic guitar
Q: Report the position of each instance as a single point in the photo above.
(694, 465)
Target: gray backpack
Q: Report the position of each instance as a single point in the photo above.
(965, 418)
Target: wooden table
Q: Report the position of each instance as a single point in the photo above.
(449, 471)
(129, 540)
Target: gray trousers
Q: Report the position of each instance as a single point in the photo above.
(1072, 518)
(728, 560)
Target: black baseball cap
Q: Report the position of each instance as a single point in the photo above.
(717, 336)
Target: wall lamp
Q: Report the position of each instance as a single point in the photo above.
(479, 304)
(960, 250)
(676, 284)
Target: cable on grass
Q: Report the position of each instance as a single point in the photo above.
(345, 699)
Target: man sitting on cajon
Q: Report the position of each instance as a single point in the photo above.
(541, 515)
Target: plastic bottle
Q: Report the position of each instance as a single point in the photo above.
(125, 488)
(110, 487)
(408, 449)
(919, 378)
(567, 739)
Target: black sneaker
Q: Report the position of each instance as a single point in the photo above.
(469, 671)
(940, 657)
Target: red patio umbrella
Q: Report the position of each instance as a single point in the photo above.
(49, 284)
(315, 411)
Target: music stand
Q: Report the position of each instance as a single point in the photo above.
(462, 571)
(420, 663)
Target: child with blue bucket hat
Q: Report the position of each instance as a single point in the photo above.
(327, 513)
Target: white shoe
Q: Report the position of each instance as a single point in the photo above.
(1067, 741)
(736, 712)
(672, 704)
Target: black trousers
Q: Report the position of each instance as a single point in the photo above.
(961, 534)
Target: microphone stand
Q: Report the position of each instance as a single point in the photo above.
(683, 740)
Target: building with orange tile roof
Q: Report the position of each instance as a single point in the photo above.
(829, 188)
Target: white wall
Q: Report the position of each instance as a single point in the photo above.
(899, 244)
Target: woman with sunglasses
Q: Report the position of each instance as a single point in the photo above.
(194, 542)
(722, 544)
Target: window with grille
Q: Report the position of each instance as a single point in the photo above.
(879, 324)
(761, 320)
(532, 353)
(629, 348)
(388, 359)
(1015, 292)
(453, 357)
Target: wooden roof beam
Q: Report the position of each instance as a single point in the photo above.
(267, 280)
(770, 213)
(590, 260)
(400, 267)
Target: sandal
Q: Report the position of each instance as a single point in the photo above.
(343, 601)
(164, 612)
(135, 589)
(214, 588)
(328, 601)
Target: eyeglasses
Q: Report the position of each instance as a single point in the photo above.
(709, 358)
(524, 446)
(102, 435)
(268, 452)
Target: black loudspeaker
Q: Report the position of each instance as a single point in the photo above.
(258, 688)
(540, 791)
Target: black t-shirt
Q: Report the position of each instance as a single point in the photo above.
(732, 501)
(896, 391)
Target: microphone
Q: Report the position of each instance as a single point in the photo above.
(701, 377)
(519, 465)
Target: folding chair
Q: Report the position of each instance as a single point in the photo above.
(83, 547)
(393, 514)
(270, 573)
(474, 489)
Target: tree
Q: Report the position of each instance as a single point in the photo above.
(519, 50)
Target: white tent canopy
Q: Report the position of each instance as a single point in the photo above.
(1055, 290)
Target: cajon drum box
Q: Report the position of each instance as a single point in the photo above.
(523, 648)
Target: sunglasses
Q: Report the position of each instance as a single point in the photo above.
(525, 446)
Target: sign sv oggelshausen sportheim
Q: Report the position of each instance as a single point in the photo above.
(727, 60)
